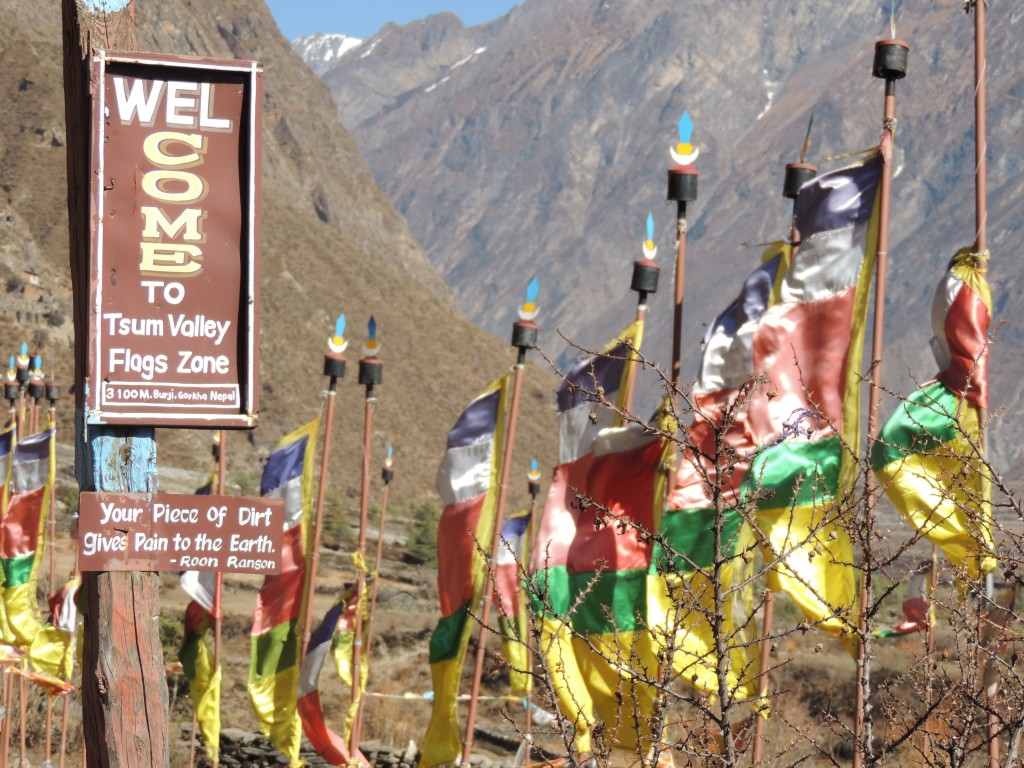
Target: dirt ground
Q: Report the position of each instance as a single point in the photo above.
(814, 677)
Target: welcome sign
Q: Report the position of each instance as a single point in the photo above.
(173, 323)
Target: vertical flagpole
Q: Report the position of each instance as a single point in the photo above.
(5, 729)
(334, 369)
(23, 374)
(371, 373)
(533, 488)
(11, 394)
(524, 337)
(797, 174)
(981, 247)
(387, 475)
(218, 583)
(890, 64)
(36, 390)
(645, 282)
(51, 392)
(682, 188)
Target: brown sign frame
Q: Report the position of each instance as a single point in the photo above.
(210, 390)
(141, 532)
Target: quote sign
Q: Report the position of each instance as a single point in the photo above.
(179, 532)
(173, 322)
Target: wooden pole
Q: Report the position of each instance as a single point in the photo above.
(534, 489)
(218, 581)
(680, 285)
(22, 712)
(334, 368)
(387, 474)
(369, 374)
(797, 174)
(124, 692)
(981, 247)
(51, 544)
(499, 518)
(5, 730)
(883, 68)
(376, 566)
(645, 282)
(64, 728)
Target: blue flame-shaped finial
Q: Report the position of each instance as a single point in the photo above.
(37, 363)
(684, 152)
(529, 308)
(532, 291)
(371, 328)
(391, 451)
(534, 474)
(685, 128)
(650, 226)
(533, 465)
(338, 343)
(13, 362)
(24, 349)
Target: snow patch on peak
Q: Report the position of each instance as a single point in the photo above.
(320, 52)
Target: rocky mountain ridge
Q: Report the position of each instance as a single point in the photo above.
(538, 143)
(331, 243)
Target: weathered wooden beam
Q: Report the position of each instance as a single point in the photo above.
(124, 691)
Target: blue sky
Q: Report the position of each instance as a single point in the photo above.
(360, 18)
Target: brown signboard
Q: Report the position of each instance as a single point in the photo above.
(179, 532)
(173, 275)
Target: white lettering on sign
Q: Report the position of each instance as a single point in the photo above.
(143, 543)
(165, 513)
(97, 543)
(199, 326)
(250, 516)
(135, 102)
(123, 359)
(209, 563)
(111, 513)
(261, 543)
(193, 363)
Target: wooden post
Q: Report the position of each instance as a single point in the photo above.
(124, 692)
(524, 336)
(890, 65)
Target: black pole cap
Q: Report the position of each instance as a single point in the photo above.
(36, 390)
(534, 488)
(387, 475)
(11, 390)
(645, 276)
(371, 371)
(334, 366)
(524, 334)
(682, 183)
(52, 391)
(797, 174)
(890, 59)
(22, 375)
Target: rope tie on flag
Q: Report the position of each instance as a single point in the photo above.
(890, 124)
(359, 562)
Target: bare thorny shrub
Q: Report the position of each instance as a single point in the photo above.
(932, 698)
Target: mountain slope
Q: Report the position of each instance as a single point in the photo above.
(332, 243)
(539, 142)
